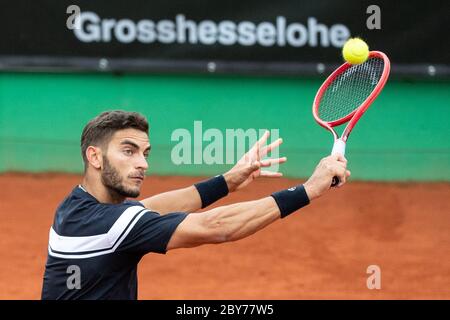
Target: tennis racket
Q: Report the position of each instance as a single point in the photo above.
(346, 94)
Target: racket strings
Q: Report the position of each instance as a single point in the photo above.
(350, 89)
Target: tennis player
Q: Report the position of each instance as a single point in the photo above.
(99, 236)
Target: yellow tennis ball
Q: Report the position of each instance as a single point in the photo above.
(355, 51)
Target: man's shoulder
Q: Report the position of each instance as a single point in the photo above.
(80, 214)
(86, 228)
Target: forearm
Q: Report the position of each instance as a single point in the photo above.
(181, 200)
(236, 221)
(240, 220)
(189, 199)
(243, 219)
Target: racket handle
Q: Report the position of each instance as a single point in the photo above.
(335, 182)
(338, 147)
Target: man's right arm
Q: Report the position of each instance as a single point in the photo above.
(237, 221)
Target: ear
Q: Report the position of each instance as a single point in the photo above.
(94, 157)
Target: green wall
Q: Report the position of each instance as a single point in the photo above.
(403, 136)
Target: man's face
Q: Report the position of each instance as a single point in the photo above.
(125, 162)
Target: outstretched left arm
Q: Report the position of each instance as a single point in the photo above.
(247, 169)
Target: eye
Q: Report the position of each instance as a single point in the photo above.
(128, 152)
(146, 155)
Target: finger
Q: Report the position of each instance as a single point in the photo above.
(269, 162)
(338, 157)
(333, 161)
(257, 146)
(341, 164)
(341, 158)
(342, 174)
(270, 174)
(255, 165)
(263, 139)
(333, 167)
(270, 147)
(346, 176)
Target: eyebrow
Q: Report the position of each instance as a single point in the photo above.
(131, 143)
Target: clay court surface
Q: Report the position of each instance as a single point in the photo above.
(321, 252)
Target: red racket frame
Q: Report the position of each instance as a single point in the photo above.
(355, 115)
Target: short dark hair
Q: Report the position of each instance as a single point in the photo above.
(99, 130)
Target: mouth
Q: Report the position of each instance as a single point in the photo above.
(137, 178)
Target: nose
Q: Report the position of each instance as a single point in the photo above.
(142, 163)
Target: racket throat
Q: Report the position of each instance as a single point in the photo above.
(338, 147)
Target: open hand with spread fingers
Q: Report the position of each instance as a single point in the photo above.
(251, 165)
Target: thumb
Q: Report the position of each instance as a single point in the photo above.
(255, 165)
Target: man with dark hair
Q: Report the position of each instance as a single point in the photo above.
(98, 236)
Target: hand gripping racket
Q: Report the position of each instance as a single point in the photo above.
(346, 94)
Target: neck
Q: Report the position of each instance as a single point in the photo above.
(99, 191)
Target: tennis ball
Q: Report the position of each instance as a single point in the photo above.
(355, 51)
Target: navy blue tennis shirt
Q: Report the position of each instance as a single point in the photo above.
(101, 244)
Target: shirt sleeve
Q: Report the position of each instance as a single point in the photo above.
(152, 233)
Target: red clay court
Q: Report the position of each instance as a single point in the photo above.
(321, 252)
